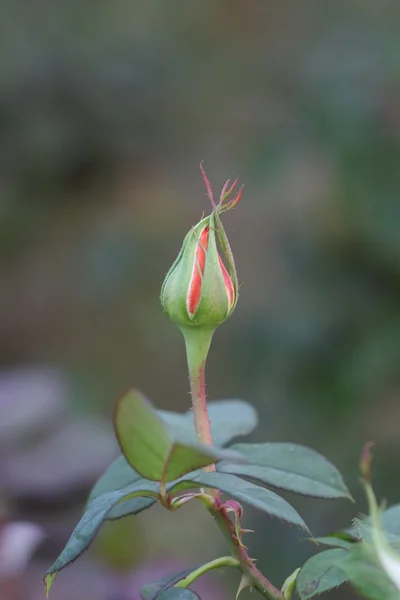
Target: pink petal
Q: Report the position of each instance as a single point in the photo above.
(228, 284)
(196, 280)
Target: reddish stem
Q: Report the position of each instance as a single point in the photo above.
(254, 577)
(239, 551)
(201, 418)
(197, 345)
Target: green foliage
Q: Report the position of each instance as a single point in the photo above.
(153, 590)
(141, 493)
(364, 530)
(289, 585)
(129, 500)
(354, 560)
(91, 520)
(337, 540)
(290, 467)
(390, 521)
(366, 574)
(178, 594)
(252, 494)
(119, 475)
(321, 573)
(155, 451)
(229, 419)
(161, 446)
(163, 457)
(143, 437)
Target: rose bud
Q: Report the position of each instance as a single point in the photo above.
(199, 290)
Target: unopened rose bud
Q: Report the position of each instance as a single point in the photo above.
(199, 290)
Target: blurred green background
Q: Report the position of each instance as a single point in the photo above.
(106, 110)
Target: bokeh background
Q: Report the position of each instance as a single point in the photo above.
(106, 110)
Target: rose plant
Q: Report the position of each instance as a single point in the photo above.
(174, 458)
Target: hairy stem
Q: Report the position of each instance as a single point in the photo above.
(253, 575)
(218, 563)
(198, 393)
(198, 342)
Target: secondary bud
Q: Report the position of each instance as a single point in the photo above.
(199, 290)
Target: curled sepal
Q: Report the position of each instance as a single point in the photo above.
(201, 288)
(220, 208)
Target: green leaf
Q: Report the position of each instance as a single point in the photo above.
(254, 495)
(289, 585)
(364, 528)
(99, 509)
(130, 507)
(91, 520)
(142, 435)
(178, 594)
(118, 475)
(229, 419)
(189, 456)
(390, 520)
(152, 590)
(290, 467)
(152, 449)
(337, 540)
(367, 576)
(321, 573)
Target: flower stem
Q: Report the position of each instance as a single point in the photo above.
(197, 341)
